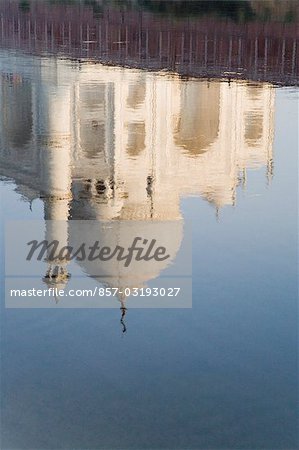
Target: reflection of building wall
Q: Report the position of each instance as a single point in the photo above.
(105, 143)
(17, 119)
(198, 118)
(131, 142)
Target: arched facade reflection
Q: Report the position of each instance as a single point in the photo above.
(198, 121)
(119, 145)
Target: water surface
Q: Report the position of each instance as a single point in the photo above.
(83, 140)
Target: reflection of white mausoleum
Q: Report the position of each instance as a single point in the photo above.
(148, 138)
(110, 143)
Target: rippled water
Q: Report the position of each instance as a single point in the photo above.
(85, 140)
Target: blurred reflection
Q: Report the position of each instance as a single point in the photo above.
(119, 145)
(256, 40)
(17, 119)
(198, 119)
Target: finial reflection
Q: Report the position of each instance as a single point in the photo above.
(122, 319)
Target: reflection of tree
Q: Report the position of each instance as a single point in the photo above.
(286, 10)
(96, 6)
(24, 5)
(235, 10)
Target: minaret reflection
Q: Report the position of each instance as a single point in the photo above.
(55, 174)
(122, 147)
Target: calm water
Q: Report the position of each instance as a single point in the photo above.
(83, 140)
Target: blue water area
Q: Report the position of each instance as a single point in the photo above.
(220, 375)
